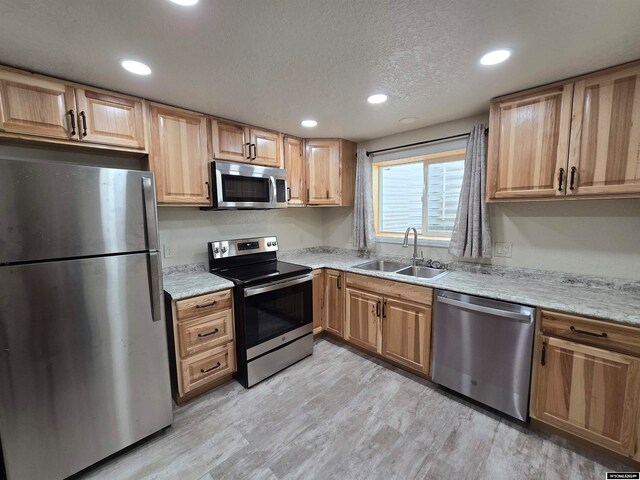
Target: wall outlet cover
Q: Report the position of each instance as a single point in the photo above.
(168, 251)
(502, 249)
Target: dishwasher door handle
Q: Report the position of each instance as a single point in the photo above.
(519, 317)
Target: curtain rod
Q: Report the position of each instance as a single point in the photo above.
(400, 147)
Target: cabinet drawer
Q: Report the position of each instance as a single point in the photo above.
(206, 332)
(207, 367)
(390, 288)
(203, 305)
(610, 336)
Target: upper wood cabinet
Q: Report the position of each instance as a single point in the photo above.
(240, 143)
(605, 134)
(266, 148)
(330, 172)
(178, 156)
(110, 119)
(229, 141)
(334, 302)
(294, 164)
(577, 138)
(51, 110)
(529, 143)
(33, 105)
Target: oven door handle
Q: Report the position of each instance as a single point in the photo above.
(249, 292)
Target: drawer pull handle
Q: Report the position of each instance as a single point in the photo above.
(584, 332)
(205, 305)
(207, 334)
(217, 365)
(543, 357)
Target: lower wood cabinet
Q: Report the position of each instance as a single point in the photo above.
(406, 333)
(334, 302)
(392, 319)
(591, 392)
(318, 300)
(201, 333)
(363, 316)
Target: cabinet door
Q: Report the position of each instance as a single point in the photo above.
(334, 302)
(294, 163)
(406, 333)
(230, 141)
(362, 316)
(266, 148)
(323, 172)
(110, 119)
(589, 392)
(605, 134)
(37, 106)
(529, 144)
(318, 300)
(178, 156)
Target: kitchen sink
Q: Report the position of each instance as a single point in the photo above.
(422, 272)
(382, 266)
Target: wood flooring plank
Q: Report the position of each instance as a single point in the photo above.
(343, 414)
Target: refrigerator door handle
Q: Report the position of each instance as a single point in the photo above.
(150, 218)
(155, 285)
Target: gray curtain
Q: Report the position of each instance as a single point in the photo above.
(471, 236)
(364, 237)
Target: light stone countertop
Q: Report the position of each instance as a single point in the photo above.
(187, 281)
(608, 299)
(616, 300)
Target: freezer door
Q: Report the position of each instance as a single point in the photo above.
(50, 210)
(83, 365)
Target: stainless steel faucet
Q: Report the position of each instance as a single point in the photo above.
(405, 244)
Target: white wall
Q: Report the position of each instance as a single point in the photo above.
(597, 237)
(188, 230)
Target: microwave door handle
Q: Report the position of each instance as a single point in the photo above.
(274, 191)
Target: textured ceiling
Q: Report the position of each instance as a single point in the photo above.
(275, 62)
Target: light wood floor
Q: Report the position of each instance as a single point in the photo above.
(343, 415)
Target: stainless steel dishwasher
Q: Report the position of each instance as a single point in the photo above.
(482, 348)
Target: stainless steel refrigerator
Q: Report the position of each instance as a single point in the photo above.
(83, 353)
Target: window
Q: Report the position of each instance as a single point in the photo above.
(421, 191)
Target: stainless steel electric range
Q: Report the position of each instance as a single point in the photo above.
(273, 306)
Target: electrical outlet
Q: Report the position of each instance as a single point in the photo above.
(168, 250)
(502, 249)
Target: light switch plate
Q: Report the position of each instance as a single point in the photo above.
(502, 249)
(168, 250)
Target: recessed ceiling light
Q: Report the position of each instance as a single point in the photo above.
(136, 67)
(185, 3)
(309, 123)
(408, 120)
(495, 57)
(377, 98)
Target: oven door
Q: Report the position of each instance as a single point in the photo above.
(277, 313)
(243, 186)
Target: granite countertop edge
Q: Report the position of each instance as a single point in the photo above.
(611, 300)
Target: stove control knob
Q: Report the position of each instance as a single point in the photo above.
(224, 249)
(274, 244)
(268, 244)
(216, 250)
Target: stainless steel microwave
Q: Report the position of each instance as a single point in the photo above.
(241, 186)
